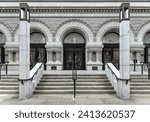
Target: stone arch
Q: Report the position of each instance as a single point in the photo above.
(43, 27)
(108, 25)
(83, 28)
(142, 31)
(6, 30)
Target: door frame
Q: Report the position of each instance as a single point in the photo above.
(71, 45)
(40, 46)
(2, 53)
(146, 52)
(110, 46)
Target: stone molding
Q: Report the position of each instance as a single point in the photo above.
(6, 30)
(74, 10)
(39, 25)
(142, 30)
(111, 24)
(74, 24)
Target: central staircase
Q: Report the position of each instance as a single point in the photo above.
(85, 84)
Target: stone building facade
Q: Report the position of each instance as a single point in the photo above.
(68, 35)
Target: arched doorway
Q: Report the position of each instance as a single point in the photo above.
(146, 42)
(2, 49)
(37, 48)
(111, 48)
(74, 52)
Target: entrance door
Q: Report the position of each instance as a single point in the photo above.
(74, 57)
(2, 54)
(37, 54)
(111, 54)
(147, 53)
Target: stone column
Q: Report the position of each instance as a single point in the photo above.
(17, 56)
(10, 56)
(24, 51)
(58, 56)
(90, 56)
(50, 56)
(97, 56)
(123, 84)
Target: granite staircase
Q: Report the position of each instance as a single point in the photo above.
(53, 84)
(9, 85)
(140, 85)
(85, 84)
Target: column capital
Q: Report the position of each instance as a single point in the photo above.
(24, 12)
(124, 12)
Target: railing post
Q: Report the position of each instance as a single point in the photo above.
(142, 68)
(124, 47)
(1, 69)
(148, 71)
(74, 78)
(24, 50)
(6, 63)
(134, 61)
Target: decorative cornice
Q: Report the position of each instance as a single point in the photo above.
(75, 10)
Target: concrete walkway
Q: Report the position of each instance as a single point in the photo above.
(79, 100)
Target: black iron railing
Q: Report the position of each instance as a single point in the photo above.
(6, 67)
(117, 77)
(147, 64)
(74, 78)
(31, 78)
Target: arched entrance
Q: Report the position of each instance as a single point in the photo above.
(37, 48)
(111, 48)
(146, 42)
(2, 49)
(74, 52)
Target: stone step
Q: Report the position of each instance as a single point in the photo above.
(140, 84)
(72, 87)
(9, 87)
(140, 91)
(139, 77)
(9, 91)
(8, 80)
(140, 88)
(70, 80)
(70, 77)
(140, 80)
(71, 83)
(9, 76)
(71, 92)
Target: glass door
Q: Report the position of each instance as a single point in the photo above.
(111, 54)
(74, 57)
(37, 54)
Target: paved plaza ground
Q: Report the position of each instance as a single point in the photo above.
(79, 100)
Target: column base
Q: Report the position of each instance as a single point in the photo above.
(94, 65)
(54, 65)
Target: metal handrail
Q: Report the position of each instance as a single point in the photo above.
(142, 66)
(6, 64)
(74, 78)
(32, 76)
(127, 80)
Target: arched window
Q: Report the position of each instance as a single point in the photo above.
(74, 38)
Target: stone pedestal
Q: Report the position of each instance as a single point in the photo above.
(94, 61)
(24, 52)
(24, 56)
(54, 62)
(124, 84)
